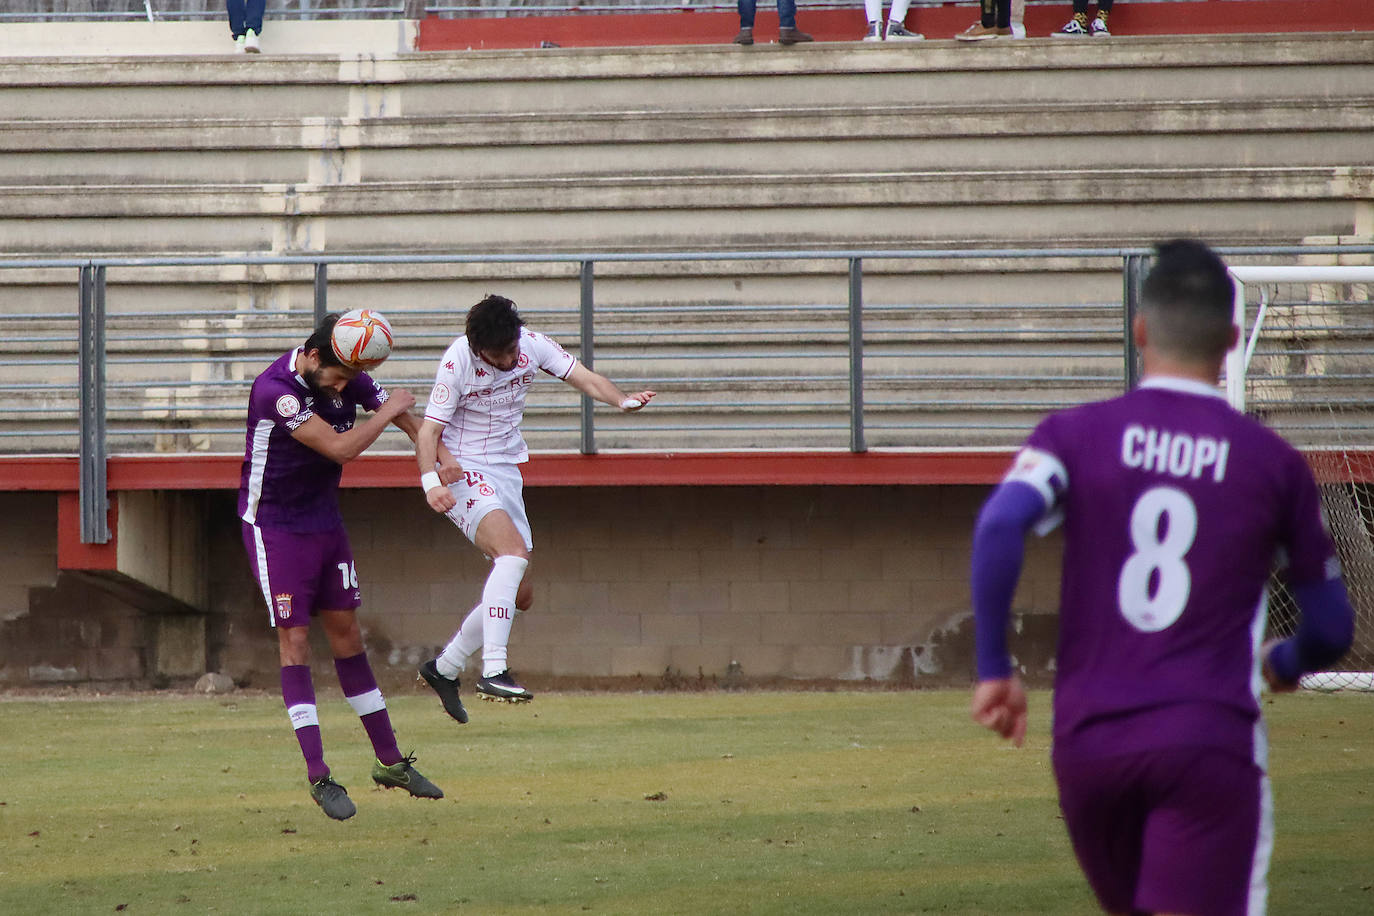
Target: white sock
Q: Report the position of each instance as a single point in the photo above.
(466, 641)
(498, 603)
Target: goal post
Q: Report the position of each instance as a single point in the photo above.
(1305, 367)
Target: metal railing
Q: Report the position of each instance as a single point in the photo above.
(814, 371)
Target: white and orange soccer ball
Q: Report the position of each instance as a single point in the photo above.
(362, 339)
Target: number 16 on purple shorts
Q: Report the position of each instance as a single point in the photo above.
(300, 575)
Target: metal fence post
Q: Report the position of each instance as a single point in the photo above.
(93, 495)
(587, 356)
(856, 355)
(321, 292)
(1135, 268)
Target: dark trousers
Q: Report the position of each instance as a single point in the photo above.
(787, 13)
(245, 15)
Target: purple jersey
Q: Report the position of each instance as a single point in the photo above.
(1175, 509)
(287, 485)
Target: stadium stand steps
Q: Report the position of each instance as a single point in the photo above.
(1238, 138)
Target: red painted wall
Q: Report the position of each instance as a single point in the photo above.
(686, 27)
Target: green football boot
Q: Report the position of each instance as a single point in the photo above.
(402, 775)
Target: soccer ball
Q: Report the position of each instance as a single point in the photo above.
(362, 339)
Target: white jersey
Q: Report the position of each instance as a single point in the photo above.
(481, 407)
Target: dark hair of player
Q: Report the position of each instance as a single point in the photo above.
(1187, 300)
(321, 339)
(493, 325)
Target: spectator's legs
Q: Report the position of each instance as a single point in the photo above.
(897, 13)
(236, 16)
(1098, 28)
(252, 18)
(746, 13)
(787, 14)
(1077, 26)
(1004, 14)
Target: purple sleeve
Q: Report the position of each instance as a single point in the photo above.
(1324, 634)
(998, 550)
(1306, 541)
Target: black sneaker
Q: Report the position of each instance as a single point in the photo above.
(333, 799)
(446, 688)
(502, 687)
(402, 775)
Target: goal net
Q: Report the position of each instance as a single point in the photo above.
(1305, 367)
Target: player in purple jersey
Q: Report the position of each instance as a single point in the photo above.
(301, 431)
(1175, 507)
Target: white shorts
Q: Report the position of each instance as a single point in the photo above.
(485, 487)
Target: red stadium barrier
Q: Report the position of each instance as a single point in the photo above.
(618, 469)
(685, 27)
(221, 472)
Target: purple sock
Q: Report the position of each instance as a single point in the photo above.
(360, 689)
(298, 693)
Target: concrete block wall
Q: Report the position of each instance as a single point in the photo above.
(28, 542)
(788, 582)
(844, 582)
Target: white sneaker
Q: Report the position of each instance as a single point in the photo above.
(898, 32)
(1077, 27)
(1098, 28)
(250, 42)
(239, 42)
(875, 32)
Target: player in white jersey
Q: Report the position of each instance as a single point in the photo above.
(476, 407)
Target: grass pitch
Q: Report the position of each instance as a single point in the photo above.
(797, 803)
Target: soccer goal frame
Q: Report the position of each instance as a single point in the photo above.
(1344, 468)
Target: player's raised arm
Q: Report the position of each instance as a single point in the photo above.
(449, 468)
(597, 386)
(344, 447)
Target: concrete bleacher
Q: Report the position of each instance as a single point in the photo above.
(1239, 139)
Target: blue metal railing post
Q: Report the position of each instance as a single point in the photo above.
(856, 355)
(585, 307)
(321, 292)
(93, 493)
(1134, 269)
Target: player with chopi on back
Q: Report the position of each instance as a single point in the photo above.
(1175, 508)
(301, 431)
(476, 408)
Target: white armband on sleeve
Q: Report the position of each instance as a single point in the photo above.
(1050, 478)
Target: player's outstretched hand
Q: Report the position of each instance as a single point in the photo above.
(636, 401)
(1001, 706)
(1271, 677)
(398, 401)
